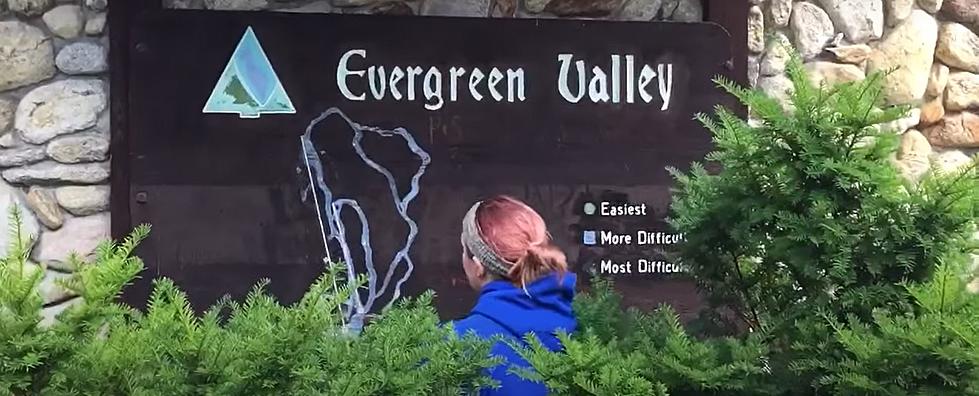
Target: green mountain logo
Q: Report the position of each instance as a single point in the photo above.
(249, 86)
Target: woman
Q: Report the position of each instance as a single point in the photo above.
(523, 282)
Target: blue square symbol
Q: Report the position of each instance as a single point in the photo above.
(588, 237)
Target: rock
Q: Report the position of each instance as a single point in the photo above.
(8, 140)
(242, 5)
(958, 47)
(95, 24)
(932, 112)
(504, 8)
(49, 315)
(962, 91)
(19, 156)
(634, 10)
(28, 55)
(781, 11)
(756, 30)
(82, 58)
(913, 156)
(390, 8)
(49, 172)
(830, 73)
(65, 21)
(898, 10)
(962, 11)
(97, 5)
(353, 3)
(322, 6)
(29, 8)
(582, 8)
(859, 20)
(854, 54)
(462, 8)
(11, 197)
(777, 53)
(910, 48)
(51, 289)
(537, 6)
(682, 11)
(58, 108)
(778, 87)
(812, 29)
(902, 124)
(62, 266)
(754, 68)
(931, 6)
(955, 130)
(87, 147)
(184, 4)
(950, 161)
(83, 200)
(45, 206)
(937, 80)
(80, 235)
(7, 107)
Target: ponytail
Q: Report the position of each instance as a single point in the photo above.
(540, 260)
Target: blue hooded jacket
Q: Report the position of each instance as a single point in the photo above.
(507, 310)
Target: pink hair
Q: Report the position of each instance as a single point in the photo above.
(519, 235)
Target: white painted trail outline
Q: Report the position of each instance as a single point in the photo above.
(332, 208)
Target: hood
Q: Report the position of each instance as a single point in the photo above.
(543, 308)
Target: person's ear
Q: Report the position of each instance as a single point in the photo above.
(480, 269)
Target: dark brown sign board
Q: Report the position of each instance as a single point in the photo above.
(464, 109)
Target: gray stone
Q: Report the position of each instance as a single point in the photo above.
(950, 161)
(45, 206)
(97, 5)
(683, 10)
(854, 54)
(958, 47)
(29, 7)
(95, 24)
(58, 108)
(83, 200)
(781, 11)
(962, 11)
(910, 48)
(65, 21)
(898, 10)
(778, 87)
(461, 8)
(931, 6)
(22, 155)
(811, 28)
(318, 7)
(51, 288)
(537, 6)
(830, 74)
(28, 55)
(634, 10)
(756, 30)
(50, 172)
(7, 108)
(859, 20)
(754, 67)
(957, 130)
(353, 3)
(777, 53)
(932, 112)
(937, 80)
(962, 91)
(184, 4)
(244, 5)
(913, 156)
(8, 140)
(902, 124)
(82, 58)
(11, 197)
(79, 235)
(50, 315)
(84, 147)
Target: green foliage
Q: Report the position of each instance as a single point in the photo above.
(808, 224)
(256, 347)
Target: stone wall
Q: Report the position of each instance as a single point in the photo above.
(54, 132)
(932, 44)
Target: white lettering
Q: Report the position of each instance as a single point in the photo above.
(494, 78)
(474, 78)
(433, 89)
(396, 75)
(616, 79)
(562, 79)
(515, 78)
(377, 92)
(343, 71)
(413, 72)
(454, 74)
(598, 89)
(666, 85)
(646, 76)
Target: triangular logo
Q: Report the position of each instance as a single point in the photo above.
(249, 86)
